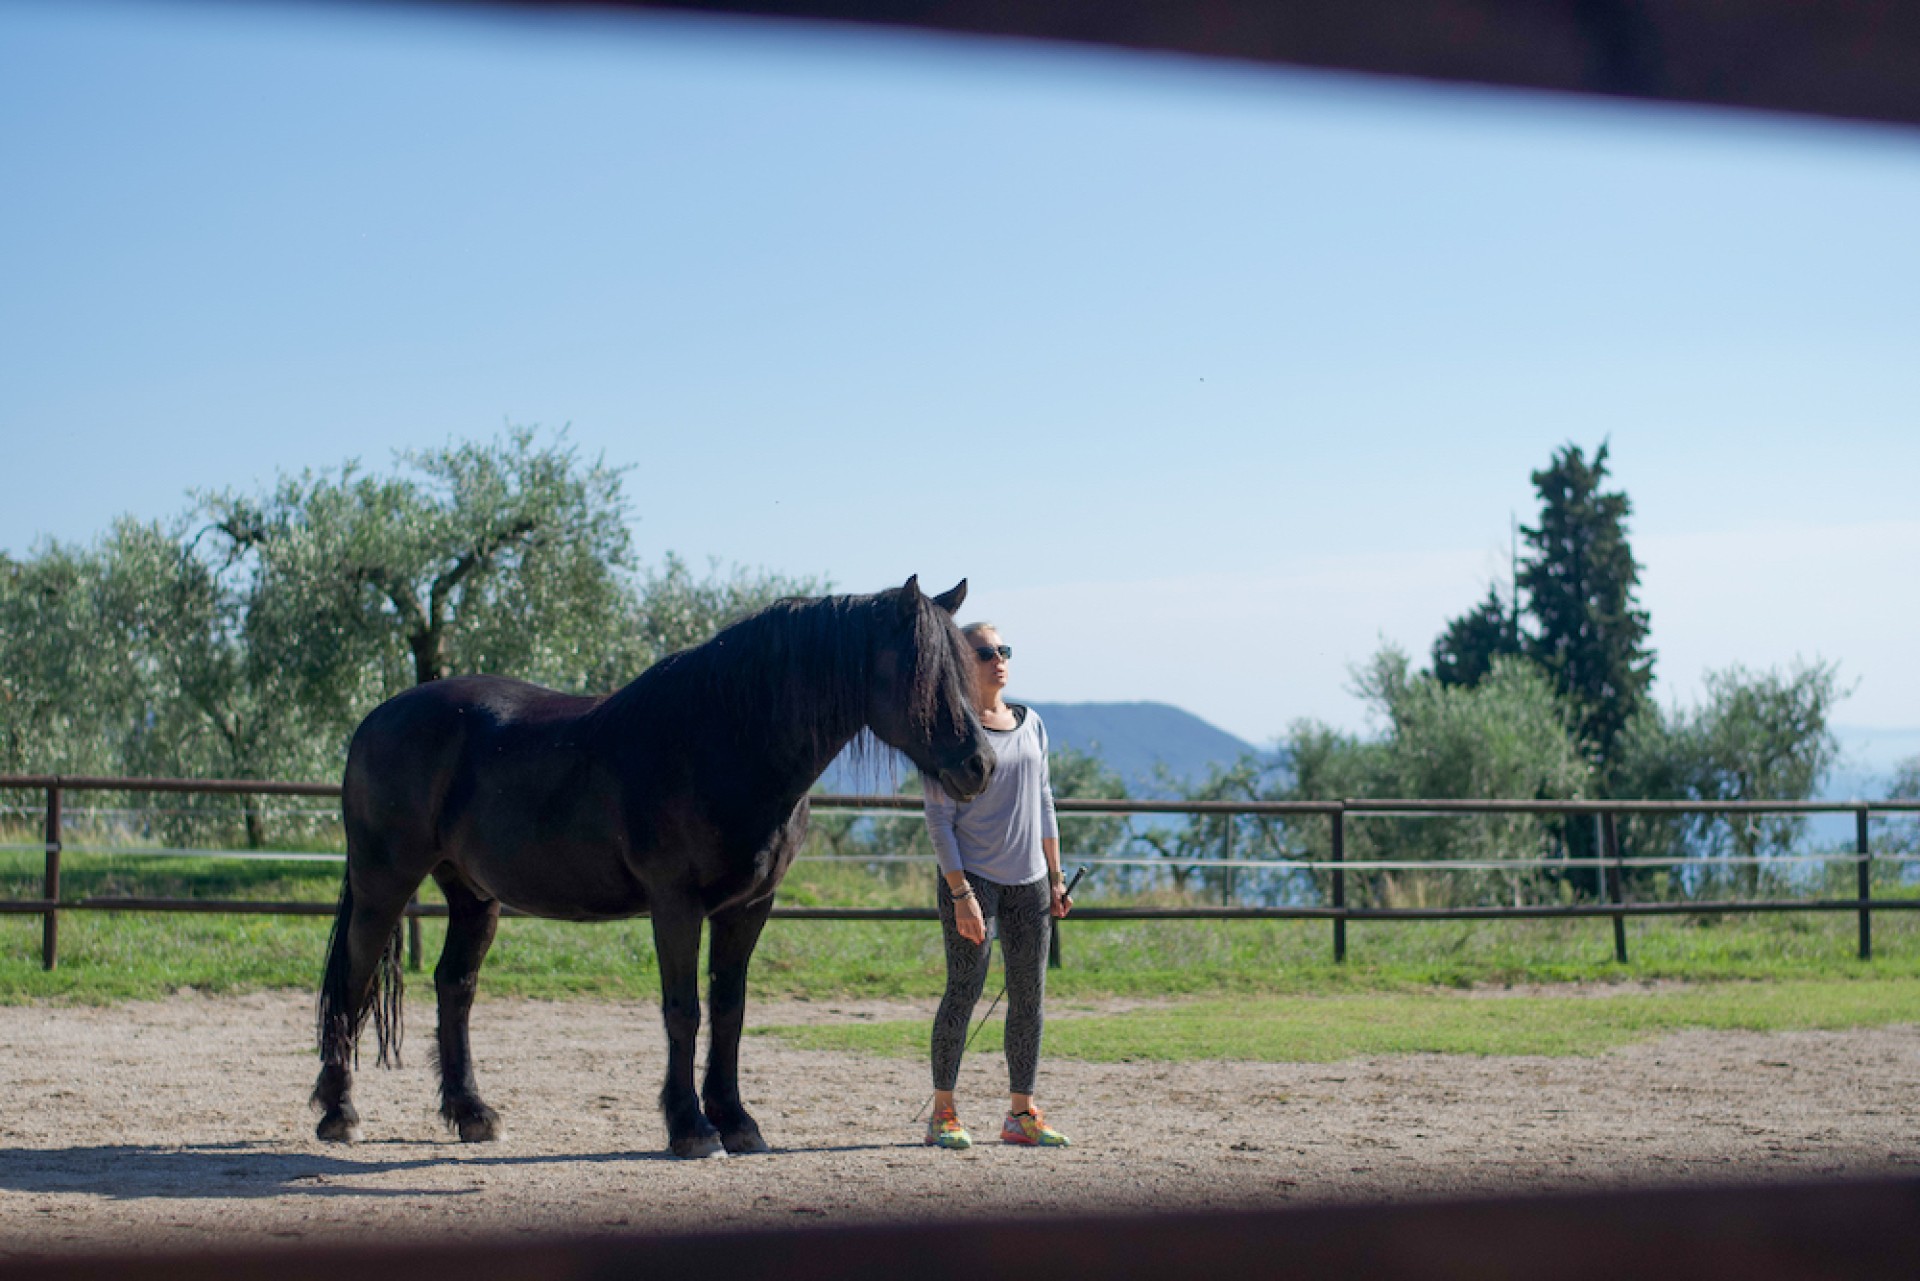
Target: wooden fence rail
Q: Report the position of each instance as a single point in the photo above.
(1336, 911)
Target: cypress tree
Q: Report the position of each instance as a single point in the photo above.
(1589, 633)
(1464, 653)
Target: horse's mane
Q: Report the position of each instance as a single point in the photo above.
(798, 671)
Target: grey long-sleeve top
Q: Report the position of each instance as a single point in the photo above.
(997, 834)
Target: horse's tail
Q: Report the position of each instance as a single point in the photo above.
(339, 1021)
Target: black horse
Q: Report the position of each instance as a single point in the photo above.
(683, 795)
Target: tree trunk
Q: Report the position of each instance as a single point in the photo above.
(429, 655)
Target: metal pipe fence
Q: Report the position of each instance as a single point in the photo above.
(1608, 865)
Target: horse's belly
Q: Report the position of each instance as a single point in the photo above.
(583, 889)
(578, 908)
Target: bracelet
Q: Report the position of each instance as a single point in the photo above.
(961, 896)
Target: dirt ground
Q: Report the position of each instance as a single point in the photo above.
(182, 1124)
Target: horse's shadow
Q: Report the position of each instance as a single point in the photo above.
(132, 1172)
(244, 1170)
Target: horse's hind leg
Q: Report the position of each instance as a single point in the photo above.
(735, 932)
(364, 949)
(471, 921)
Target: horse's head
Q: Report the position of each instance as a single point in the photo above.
(920, 699)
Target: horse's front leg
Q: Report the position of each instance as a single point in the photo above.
(735, 932)
(676, 937)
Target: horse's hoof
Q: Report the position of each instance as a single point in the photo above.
(745, 1142)
(338, 1127)
(484, 1128)
(472, 1120)
(698, 1147)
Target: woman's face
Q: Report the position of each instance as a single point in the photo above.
(989, 678)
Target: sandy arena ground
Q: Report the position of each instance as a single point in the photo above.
(183, 1124)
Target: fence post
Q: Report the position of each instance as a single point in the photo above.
(1226, 873)
(1610, 848)
(50, 923)
(1865, 851)
(413, 932)
(1338, 854)
(1599, 854)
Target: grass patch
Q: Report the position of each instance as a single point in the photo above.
(1329, 1028)
(118, 956)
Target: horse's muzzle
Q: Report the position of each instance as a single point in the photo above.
(968, 779)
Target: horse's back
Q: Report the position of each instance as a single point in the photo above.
(425, 754)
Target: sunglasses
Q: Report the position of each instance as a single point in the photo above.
(987, 653)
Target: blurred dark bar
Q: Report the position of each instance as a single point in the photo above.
(1861, 1231)
(1850, 59)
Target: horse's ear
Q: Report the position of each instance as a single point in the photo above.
(951, 599)
(910, 597)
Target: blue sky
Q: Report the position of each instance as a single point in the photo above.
(1210, 378)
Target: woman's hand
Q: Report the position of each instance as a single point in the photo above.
(968, 919)
(1062, 904)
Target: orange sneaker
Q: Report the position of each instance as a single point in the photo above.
(945, 1131)
(1030, 1130)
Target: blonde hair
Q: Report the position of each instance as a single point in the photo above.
(971, 630)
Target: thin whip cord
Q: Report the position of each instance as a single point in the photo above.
(982, 1022)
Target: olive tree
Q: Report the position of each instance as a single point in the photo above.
(1756, 736)
(505, 556)
(62, 708)
(1223, 836)
(1510, 736)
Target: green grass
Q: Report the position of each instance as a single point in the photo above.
(1319, 1029)
(117, 956)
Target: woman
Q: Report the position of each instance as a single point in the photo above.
(999, 861)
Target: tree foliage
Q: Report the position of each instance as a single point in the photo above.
(1589, 634)
(505, 556)
(62, 709)
(1902, 833)
(246, 638)
(1181, 844)
(212, 698)
(1757, 736)
(1082, 775)
(1507, 737)
(1464, 653)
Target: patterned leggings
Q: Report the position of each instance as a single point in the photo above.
(1024, 916)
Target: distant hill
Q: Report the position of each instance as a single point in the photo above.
(1129, 738)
